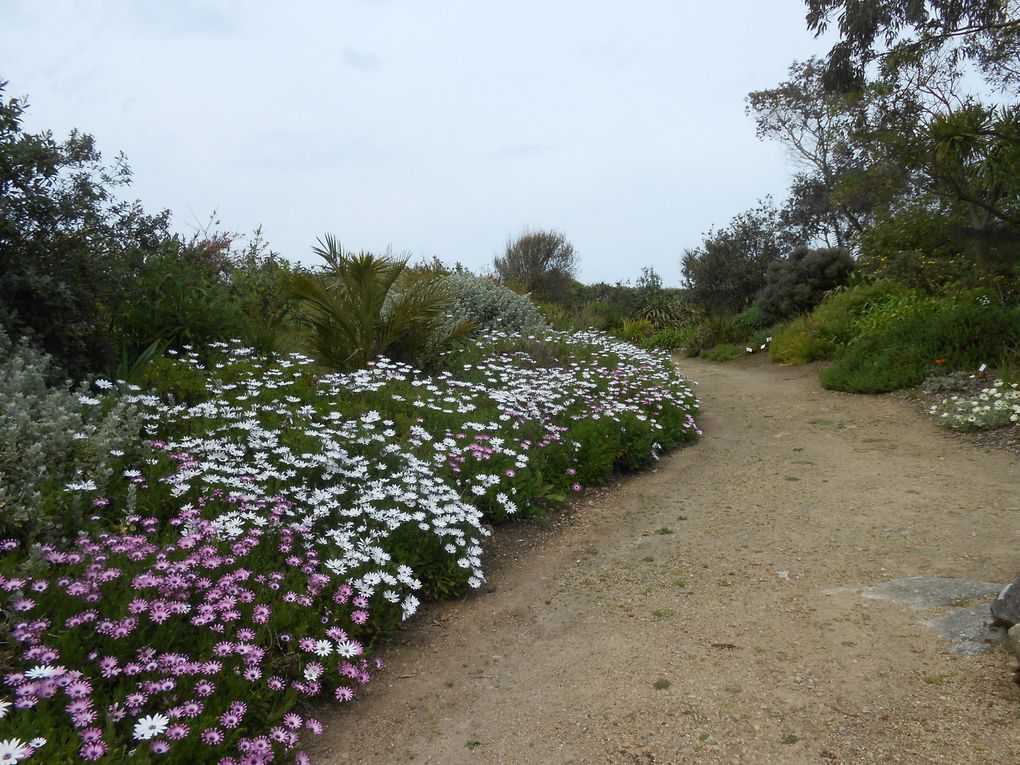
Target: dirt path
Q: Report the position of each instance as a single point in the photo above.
(733, 574)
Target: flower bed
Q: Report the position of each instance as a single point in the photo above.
(994, 406)
(280, 521)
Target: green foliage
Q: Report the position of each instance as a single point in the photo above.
(711, 331)
(182, 296)
(168, 378)
(49, 434)
(728, 270)
(883, 315)
(995, 406)
(917, 246)
(800, 281)
(637, 331)
(948, 334)
(259, 280)
(556, 316)
(980, 29)
(723, 352)
(820, 334)
(673, 338)
(359, 308)
(799, 342)
(539, 262)
(68, 247)
(751, 320)
(490, 306)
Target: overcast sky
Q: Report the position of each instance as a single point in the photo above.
(438, 128)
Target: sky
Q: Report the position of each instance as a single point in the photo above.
(434, 129)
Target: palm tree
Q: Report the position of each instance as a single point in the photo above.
(363, 306)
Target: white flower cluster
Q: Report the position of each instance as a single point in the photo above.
(348, 480)
(993, 407)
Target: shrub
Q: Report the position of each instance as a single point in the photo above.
(49, 434)
(751, 320)
(68, 247)
(556, 316)
(800, 281)
(833, 323)
(728, 270)
(539, 262)
(897, 308)
(962, 334)
(637, 331)
(723, 352)
(664, 311)
(490, 306)
(711, 331)
(937, 251)
(259, 278)
(182, 296)
(947, 382)
(673, 338)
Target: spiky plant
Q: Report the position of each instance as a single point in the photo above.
(362, 306)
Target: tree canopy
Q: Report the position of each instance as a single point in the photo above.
(540, 262)
(986, 31)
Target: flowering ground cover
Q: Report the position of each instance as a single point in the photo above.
(272, 522)
(993, 406)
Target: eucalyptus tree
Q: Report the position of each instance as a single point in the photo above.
(892, 31)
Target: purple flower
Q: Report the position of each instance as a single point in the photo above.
(343, 693)
(92, 751)
(159, 746)
(212, 736)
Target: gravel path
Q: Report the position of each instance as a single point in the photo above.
(714, 612)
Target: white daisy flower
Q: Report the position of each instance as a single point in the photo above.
(150, 726)
(13, 750)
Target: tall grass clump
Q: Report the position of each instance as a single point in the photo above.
(833, 324)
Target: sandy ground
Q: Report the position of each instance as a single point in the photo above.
(711, 611)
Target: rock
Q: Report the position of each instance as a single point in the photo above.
(1013, 639)
(1006, 608)
(968, 630)
(928, 592)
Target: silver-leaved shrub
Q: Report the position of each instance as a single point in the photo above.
(50, 436)
(491, 306)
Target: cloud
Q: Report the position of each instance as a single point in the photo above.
(363, 60)
(182, 18)
(524, 151)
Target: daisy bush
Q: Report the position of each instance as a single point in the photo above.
(993, 407)
(243, 557)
